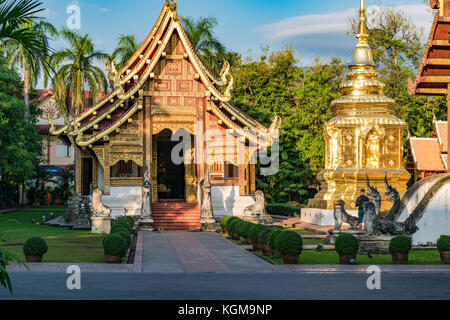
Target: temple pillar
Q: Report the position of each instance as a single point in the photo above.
(77, 170)
(190, 177)
(94, 173)
(107, 170)
(448, 127)
(241, 164)
(252, 178)
(154, 169)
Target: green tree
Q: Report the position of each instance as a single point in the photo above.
(30, 64)
(75, 72)
(275, 84)
(201, 35)
(15, 17)
(20, 146)
(127, 45)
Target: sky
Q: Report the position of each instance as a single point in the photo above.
(315, 28)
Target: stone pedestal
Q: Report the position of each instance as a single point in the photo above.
(208, 224)
(374, 244)
(101, 224)
(146, 224)
(367, 244)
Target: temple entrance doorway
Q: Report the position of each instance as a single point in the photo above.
(171, 176)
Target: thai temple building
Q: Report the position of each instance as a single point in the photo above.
(364, 138)
(429, 155)
(163, 97)
(433, 77)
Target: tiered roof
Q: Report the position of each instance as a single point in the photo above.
(104, 118)
(433, 76)
(430, 154)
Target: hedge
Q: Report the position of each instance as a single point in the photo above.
(282, 209)
(400, 244)
(254, 231)
(273, 239)
(114, 245)
(347, 244)
(443, 244)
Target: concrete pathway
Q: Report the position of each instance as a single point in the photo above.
(193, 252)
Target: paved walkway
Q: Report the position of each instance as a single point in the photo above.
(193, 252)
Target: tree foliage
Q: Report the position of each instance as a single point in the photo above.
(127, 45)
(276, 84)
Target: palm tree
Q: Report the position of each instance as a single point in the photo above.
(206, 45)
(14, 17)
(127, 45)
(30, 65)
(75, 72)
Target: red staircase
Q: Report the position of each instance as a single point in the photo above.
(176, 216)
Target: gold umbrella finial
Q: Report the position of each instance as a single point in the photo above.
(362, 32)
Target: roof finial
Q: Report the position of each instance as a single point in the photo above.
(362, 32)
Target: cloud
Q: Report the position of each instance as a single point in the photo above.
(325, 34)
(104, 9)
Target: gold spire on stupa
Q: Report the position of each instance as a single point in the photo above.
(364, 138)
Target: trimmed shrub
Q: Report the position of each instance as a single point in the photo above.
(233, 225)
(263, 237)
(237, 227)
(129, 221)
(253, 232)
(125, 224)
(35, 246)
(443, 244)
(282, 209)
(119, 227)
(125, 236)
(114, 245)
(244, 228)
(229, 222)
(289, 242)
(347, 244)
(400, 244)
(273, 238)
(223, 222)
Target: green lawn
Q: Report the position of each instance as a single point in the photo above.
(331, 257)
(63, 245)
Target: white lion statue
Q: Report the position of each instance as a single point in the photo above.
(258, 209)
(98, 207)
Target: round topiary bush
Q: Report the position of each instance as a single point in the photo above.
(114, 245)
(443, 244)
(119, 227)
(347, 244)
(124, 224)
(263, 236)
(253, 232)
(35, 246)
(229, 222)
(400, 244)
(273, 238)
(289, 243)
(128, 221)
(237, 227)
(233, 226)
(244, 229)
(223, 222)
(125, 236)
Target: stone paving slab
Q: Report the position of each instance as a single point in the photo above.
(362, 268)
(158, 254)
(62, 267)
(236, 257)
(194, 255)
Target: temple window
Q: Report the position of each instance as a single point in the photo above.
(231, 171)
(127, 169)
(63, 150)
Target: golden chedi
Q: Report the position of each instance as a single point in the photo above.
(363, 138)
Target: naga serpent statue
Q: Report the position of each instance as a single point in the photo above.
(389, 225)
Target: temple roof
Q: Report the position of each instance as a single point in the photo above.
(426, 154)
(430, 154)
(127, 98)
(434, 71)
